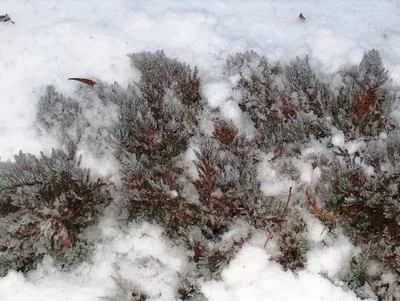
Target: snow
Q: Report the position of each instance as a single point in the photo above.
(252, 276)
(52, 41)
(332, 260)
(316, 231)
(338, 139)
(138, 255)
(217, 92)
(272, 184)
(308, 174)
(50, 287)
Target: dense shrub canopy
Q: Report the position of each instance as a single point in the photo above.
(201, 187)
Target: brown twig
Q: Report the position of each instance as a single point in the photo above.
(268, 238)
(385, 126)
(278, 220)
(17, 185)
(328, 217)
(287, 202)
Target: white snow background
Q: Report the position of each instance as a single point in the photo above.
(54, 40)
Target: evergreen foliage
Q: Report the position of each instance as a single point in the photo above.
(83, 122)
(47, 203)
(61, 116)
(160, 73)
(286, 104)
(361, 108)
(289, 105)
(366, 204)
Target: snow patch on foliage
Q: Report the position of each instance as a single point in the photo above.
(251, 275)
(332, 260)
(272, 183)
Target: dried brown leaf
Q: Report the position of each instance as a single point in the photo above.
(6, 18)
(83, 80)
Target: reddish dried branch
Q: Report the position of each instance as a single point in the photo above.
(385, 126)
(17, 185)
(288, 111)
(225, 132)
(328, 217)
(207, 183)
(367, 101)
(278, 220)
(287, 202)
(268, 238)
(168, 178)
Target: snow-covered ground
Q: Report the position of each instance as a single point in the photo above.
(54, 40)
